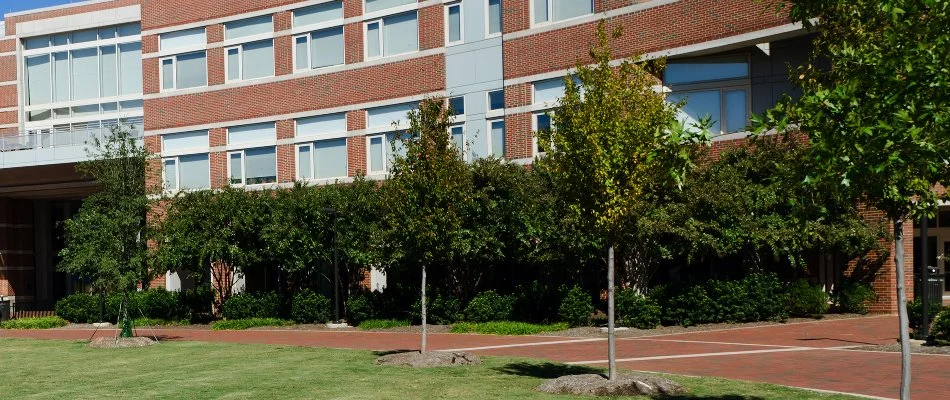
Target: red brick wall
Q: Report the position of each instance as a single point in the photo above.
(8, 117)
(431, 27)
(286, 163)
(219, 169)
(13, 20)
(353, 36)
(519, 139)
(8, 96)
(883, 267)
(164, 13)
(7, 46)
(8, 68)
(215, 59)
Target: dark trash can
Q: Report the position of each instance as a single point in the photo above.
(933, 288)
(4, 309)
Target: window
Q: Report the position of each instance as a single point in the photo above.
(496, 100)
(130, 68)
(559, 10)
(376, 5)
(249, 27)
(453, 23)
(322, 125)
(457, 133)
(184, 140)
(184, 71)
(182, 39)
(250, 60)
(189, 172)
(457, 105)
(38, 79)
(716, 88)
(384, 117)
(382, 149)
(319, 13)
(494, 17)
(252, 133)
(85, 74)
(108, 71)
(324, 159)
(253, 166)
(318, 49)
(396, 34)
(542, 123)
(497, 137)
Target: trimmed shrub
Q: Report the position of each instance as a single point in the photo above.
(576, 308)
(767, 297)
(853, 297)
(34, 323)
(248, 305)
(537, 302)
(241, 324)
(158, 304)
(80, 308)
(143, 321)
(308, 307)
(507, 328)
(637, 311)
(360, 307)
(915, 311)
(730, 302)
(441, 310)
(489, 306)
(807, 300)
(940, 329)
(688, 308)
(198, 302)
(372, 324)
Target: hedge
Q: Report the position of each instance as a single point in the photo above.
(153, 303)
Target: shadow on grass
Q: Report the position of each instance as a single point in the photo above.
(545, 370)
(380, 353)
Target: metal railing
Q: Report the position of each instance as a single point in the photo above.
(31, 309)
(53, 138)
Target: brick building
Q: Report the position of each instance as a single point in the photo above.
(262, 93)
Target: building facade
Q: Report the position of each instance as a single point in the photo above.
(264, 93)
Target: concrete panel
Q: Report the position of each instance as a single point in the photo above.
(113, 16)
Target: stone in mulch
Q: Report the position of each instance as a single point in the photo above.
(625, 385)
(121, 343)
(429, 359)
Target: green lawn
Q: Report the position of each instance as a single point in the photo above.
(62, 369)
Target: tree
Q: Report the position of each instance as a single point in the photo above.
(877, 116)
(425, 195)
(612, 135)
(105, 240)
(212, 234)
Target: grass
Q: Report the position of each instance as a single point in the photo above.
(241, 324)
(507, 328)
(145, 321)
(194, 370)
(371, 324)
(34, 323)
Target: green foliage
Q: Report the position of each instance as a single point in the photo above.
(853, 297)
(506, 328)
(940, 329)
(537, 302)
(691, 307)
(308, 307)
(489, 306)
(34, 323)
(360, 307)
(153, 303)
(915, 313)
(247, 323)
(636, 310)
(145, 321)
(807, 300)
(250, 305)
(576, 307)
(160, 304)
(78, 308)
(376, 324)
(441, 309)
(767, 297)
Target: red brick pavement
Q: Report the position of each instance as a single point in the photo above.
(805, 355)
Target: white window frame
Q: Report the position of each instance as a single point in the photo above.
(309, 38)
(382, 27)
(243, 168)
(489, 35)
(386, 151)
(461, 23)
(488, 109)
(534, 130)
(177, 160)
(504, 150)
(464, 149)
(551, 19)
(174, 58)
(313, 167)
(243, 154)
(240, 49)
(448, 103)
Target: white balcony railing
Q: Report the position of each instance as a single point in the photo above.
(77, 135)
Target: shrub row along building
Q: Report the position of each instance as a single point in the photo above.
(268, 92)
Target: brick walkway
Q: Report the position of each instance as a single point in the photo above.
(809, 355)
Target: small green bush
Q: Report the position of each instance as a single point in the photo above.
(767, 297)
(249, 305)
(507, 328)
(159, 304)
(489, 306)
(636, 310)
(34, 323)
(688, 308)
(145, 321)
(853, 297)
(807, 300)
(576, 307)
(537, 302)
(730, 302)
(360, 307)
(940, 329)
(440, 310)
(80, 308)
(915, 311)
(198, 302)
(372, 324)
(308, 307)
(247, 323)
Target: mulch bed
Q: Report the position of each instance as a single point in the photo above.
(429, 359)
(120, 343)
(626, 384)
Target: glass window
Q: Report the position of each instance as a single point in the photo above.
(107, 33)
(326, 47)
(457, 105)
(542, 122)
(236, 168)
(61, 76)
(400, 34)
(319, 13)
(171, 174)
(496, 100)
(168, 73)
(85, 74)
(458, 137)
(373, 41)
(386, 116)
(36, 42)
(540, 11)
(330, 158)
(454, 23)
(185, 140)
(322, 125)
(38, 79)
(130, 68)
(252, 133)
(260, 165)
(494, 17)
(234, 63)
(497, 138)
(548, 91)
(131, 105)
(108, 72)
(376, 157)
(699, 105)
(706, 70)
(257, 59)
(376, 5)
(301, 53)
(130, 29)
(736, 112)
(60, 40)
(109, 107)
(304, 162)
(191, 70)
(194, 171)
(83, 36)
(558, 10)
(179, 39)
(249, 27)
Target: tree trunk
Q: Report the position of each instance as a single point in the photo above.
(902, 307)
(423, 309)
(611, 339)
